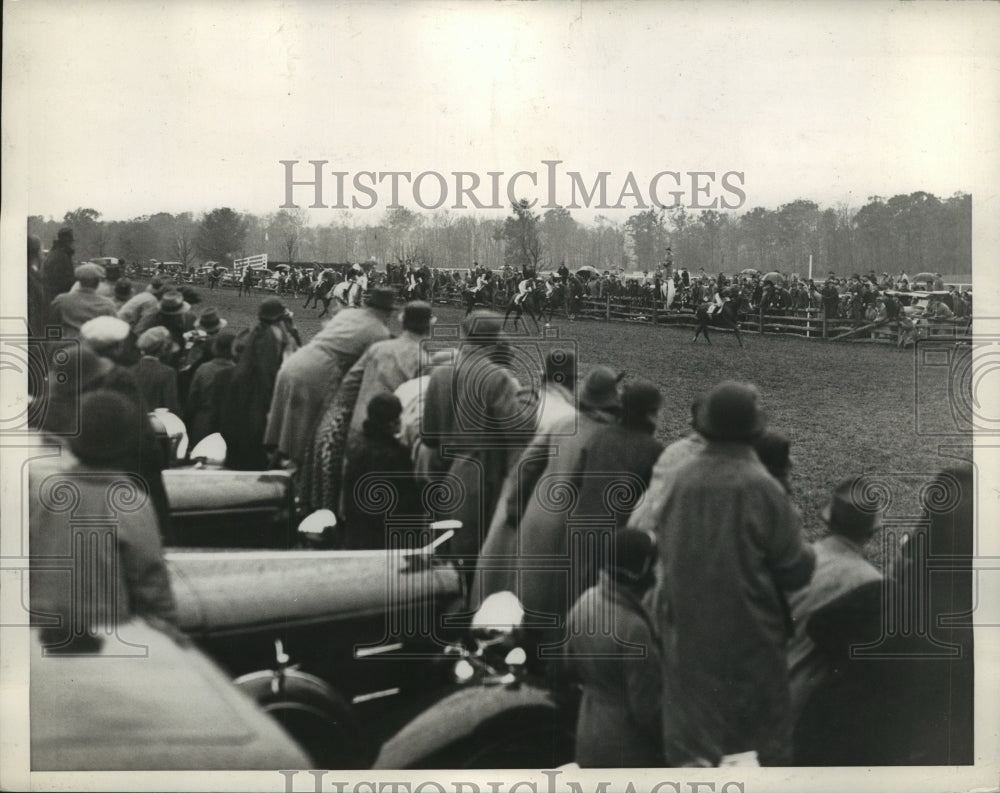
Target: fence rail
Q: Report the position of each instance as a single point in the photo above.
(810, 323)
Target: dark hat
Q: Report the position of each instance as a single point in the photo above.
(600, 389)
(172, 302)
(123, 288)
(635, 553)
(560, 368)
(158, 285)
(210, 321)
(65, 234)
(271, 309)
(384, 408)
(380, 298)
(483, 327)
(850, 512)
(109, 425)
(417, 316)
(731, 412)
(190, 294)
(222, 344)
(774, 449)
(639, 399)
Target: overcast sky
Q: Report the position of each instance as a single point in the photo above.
(134, 108)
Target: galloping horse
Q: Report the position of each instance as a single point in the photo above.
(725, 317)
(348, 293)
(480, 297)
(318, 287)
(533, 304)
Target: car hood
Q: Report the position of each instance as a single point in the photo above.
(226, 592)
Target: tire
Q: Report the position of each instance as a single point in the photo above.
(313, 713)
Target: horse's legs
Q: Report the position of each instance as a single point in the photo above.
(736, 330)
(531, 313)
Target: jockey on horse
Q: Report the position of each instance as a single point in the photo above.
(416, 284)
(721, 297)
(482, 292)
(526, 286)
(724, 312)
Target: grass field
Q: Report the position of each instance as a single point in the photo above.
(847, 408)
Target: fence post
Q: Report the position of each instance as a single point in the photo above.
(607, 308)
(760, 319)
(824, 323)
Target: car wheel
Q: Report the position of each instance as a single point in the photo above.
(313, 713)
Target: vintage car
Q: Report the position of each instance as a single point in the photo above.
(146, 702)
(340, 648)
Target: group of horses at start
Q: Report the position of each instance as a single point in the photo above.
(537, 304)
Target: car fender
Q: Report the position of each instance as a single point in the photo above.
(146, 701)
(457, 716)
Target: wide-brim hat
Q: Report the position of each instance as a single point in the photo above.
(172, 302)
(639, 399)
(381, 299)
(65, 234)
(210, 321)
(271, 309)
(600, 389)
(731, 412)
(157, 286)
(849, 509)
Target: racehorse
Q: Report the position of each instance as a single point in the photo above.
(347, 293)
(480, 297)
(533, 304)
(727, 316)
(319, 286)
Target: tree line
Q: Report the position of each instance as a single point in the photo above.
(910, 233)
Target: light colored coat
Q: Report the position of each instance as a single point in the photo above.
(309, 379)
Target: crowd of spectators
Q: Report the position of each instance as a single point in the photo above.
(696, 551)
